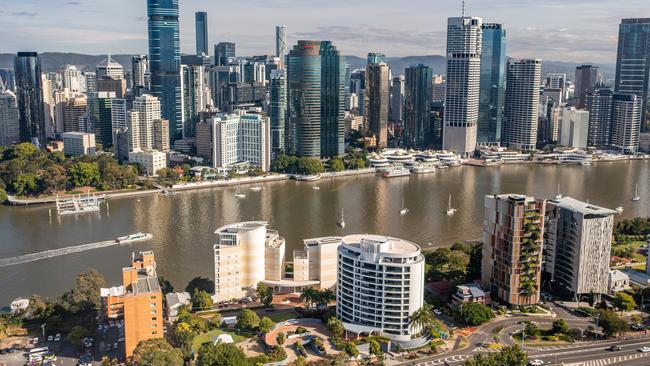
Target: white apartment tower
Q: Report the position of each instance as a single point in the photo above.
(626, 122)
(521, 116)
(241, 139)
(148, 108)
(9, 120)
(464, 45)
(74, 80)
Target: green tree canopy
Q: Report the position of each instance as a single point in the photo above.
(266, 325)
(624, 302)
(220, 355)
(611, 323)
(156, 352)
(265, 294)
(335, 326)
(473, 313)
(247, 319)
(201, 300)
(200, 283)
(511, 356)
(560, 326)
(83, 174)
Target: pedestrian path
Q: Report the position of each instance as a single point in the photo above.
(610, 361)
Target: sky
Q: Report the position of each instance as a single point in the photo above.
(559, 30)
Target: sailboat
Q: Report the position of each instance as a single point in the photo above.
(559, 195)
(636, 197)
(342, 222)
(256, 188)
(450, 210)
(238, 194)
(404, 210)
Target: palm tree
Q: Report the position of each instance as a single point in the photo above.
(325, 297)
(422, 319)
(308, 296)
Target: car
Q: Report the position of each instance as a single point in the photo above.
(536, 363)
(57, 337)
(50, 338)
(437, 312)
(615, 347)
(644, 349)
(115, 345)
(637, 327)
(99, 327)
(35, 340)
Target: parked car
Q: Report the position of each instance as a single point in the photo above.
(115, 345)
(50, 338)
(536, 363)
(57, 337)
(615, 347)
(437, 312)
(644, 349)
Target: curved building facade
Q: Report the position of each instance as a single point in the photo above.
(380, 284)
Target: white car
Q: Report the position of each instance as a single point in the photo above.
(437, 312)
(57, 337)
(644, 349)
(536, 363)
(50, 338)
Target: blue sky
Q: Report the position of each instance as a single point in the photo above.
(570, 30)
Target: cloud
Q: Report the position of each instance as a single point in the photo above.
(24, 14)
(73, 3)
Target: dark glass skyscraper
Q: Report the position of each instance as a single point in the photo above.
(278, 111)
(633, 63)
(222, 52)
(316, 100)
(165, 61)
(599, 104)
(492, 89)
(587, 77)
(417, 107)
(29, 93)
(201, 20)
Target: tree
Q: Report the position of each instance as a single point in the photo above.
(335, 326)
(87, 289)
(216, 320)
(201, 283)
(351, 350)
(375, 349)
(309, 166)
(624, 302)
(83, 174)
(108, 361)
(422, 319)
(23, 150)
(511, 356)
(308, 296)
(220, 355)
(165, 286)
(265, 294)
(3, 196)
(37, 308)
(26, 184)
(247, 319)
(201, 300)
(266, 325)
(560, 326)
(473, 313)
(76, 334)
(611, 323)
(337, 165)
(280, 338)
(156, 352)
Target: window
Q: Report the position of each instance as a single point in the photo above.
(153, 297)
(153, 312)
(154, 319)
(153, 304)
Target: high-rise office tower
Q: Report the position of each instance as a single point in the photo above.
(278, 111)
(417, 107)
(220, 77)
(119, 115)
(9, 117)
(160, 135)
(493, 78)
(139, 70)
(377, 101)
(574, 127)
(165, 61)
(587, 77)
(48, 105)
(74, 114)
(29, 92)
(91, 81)
(599, 104)
(281, 42)
(315, 100)
(193, 85)
(464, 47)
(148, 110)
(521, 114)
(223, 52)
(376, 58)
(99, 117)
(73, 79)
(109, 68)
(626, 122)
(439, 86)
(7, 80)
(397, 99)
(111, 85)
(512, 248)
(633, 63)
(201, 21)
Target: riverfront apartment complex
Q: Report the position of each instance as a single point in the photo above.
(512, 248)
(577, 245)
(380, 285)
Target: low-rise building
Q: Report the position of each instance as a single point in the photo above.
(112, 303)
(317, 262)
(78, 143)
(151, 161)
(471, 292)
(617, 281)
(174, 302)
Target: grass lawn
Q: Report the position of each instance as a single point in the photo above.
(207, 337)
(280, 317)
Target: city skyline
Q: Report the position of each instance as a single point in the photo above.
(578, 32)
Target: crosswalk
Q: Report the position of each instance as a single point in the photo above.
(441, 361)
(610, 361)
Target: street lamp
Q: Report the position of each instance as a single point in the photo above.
(597, 317)
(43, 327)
(523, 335)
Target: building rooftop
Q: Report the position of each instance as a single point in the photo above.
(382, 245)
(113, 291)
(178, 298)
(582, 207)
(322, 241)
(474, 289)
(240, 226)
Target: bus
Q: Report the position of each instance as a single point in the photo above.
(36, 354)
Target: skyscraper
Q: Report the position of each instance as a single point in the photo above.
(29, 92)
(315, 100)
(281, 41)
(9, 125)
(626, 121)
(223, 51)
(193, 96)
(599, 104)
(165, 60)
(99, 117)
(397, 99)
(278, 111)
(417, 107)
(633, 62)
(201, 20)
(522, 103)
(586, 79)
(109, 68)
(377, 101)
(73, 79)
(464, 47)
(492, 89)
(139, 70)
(376, 58)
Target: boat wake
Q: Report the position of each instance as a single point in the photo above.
(33, 257)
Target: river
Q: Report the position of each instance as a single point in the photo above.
(183, 225)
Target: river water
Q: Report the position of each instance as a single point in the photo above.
(183, 225)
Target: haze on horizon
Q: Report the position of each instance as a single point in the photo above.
(580, 31)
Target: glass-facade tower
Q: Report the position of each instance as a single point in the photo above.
(492, 89)
(201, 21)
(29, 94)
(417, 107)
(165, 61)
(222, 52)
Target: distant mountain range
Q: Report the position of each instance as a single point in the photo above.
(53, 61)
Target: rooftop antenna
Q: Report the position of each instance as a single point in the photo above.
(463, 8)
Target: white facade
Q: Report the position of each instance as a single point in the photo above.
(148, 108)
(151, 161)
(109, 68)
(617, 281)
(9, 119)
(578, 243)
(380, 284)
(574, 128)
(78, 143)
(521, 114)
(74, 80)
(626, 122)
(119, 113)
(241, 138)
(464, 47)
